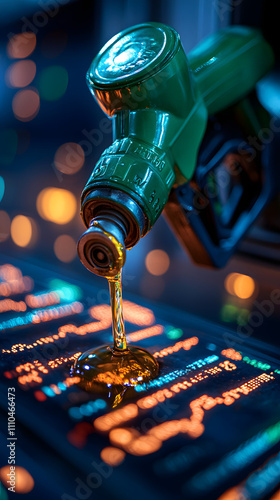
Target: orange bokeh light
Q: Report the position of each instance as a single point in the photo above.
(183, 344)
(138, 315)
(65, 248)
(133, 313)
(21, 45)
(26, 104)
(144, 445)
(121, 437)
(24, 482)
(56, 205)
(42, 300)
(12, 305)
(232, 354)
(15, 287)
(23, 230)
(157, 262)
(117, 417)
(146, 333)
(240, 285)
(69, 158)
(229, 282)
(244, 287)
(112, 456)
(132, 441)
(8, 272)
(20, 73)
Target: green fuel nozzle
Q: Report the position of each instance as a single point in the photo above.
(159, 101)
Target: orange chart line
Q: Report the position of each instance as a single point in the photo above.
(136, 443)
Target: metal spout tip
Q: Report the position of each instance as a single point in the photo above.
(102, 246)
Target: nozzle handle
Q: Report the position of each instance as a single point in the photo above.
(228, 64)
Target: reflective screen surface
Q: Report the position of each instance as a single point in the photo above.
(206, 424)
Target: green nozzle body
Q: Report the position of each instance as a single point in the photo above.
(159, 101)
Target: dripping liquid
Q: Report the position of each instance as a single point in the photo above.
(113, 370)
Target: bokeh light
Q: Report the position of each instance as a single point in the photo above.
(112, 456)
(157, 262)
(20, 73)
(122, 436)
(23, 230)
(144, 445)
(232, 313)
(229, 282)
(240, 285)
(54, 43)
(40, 396)
(21, 45)
(53, 82)
(69, 158)
(244, 286)
(2, 187)
(56, 205)
(24, 482)
(5, 225)
(65, 248)
(26, 104)
(173, 333)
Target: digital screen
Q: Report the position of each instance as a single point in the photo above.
(207, 427)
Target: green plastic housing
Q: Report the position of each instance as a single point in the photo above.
(159, 102)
